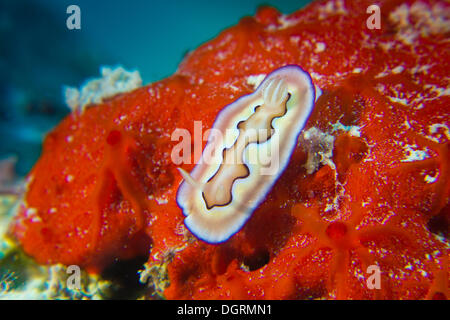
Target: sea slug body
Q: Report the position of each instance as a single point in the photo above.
(248, 148)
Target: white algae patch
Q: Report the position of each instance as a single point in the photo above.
(319, 146)
(320, 46)
(113, 81)
(412, 153)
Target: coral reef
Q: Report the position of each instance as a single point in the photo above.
(105, 186)
(112, 82)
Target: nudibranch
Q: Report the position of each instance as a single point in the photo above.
(248, 148)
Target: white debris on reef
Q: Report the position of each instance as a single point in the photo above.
(351, 130)
(21, 278)
(113, 81)
(437, 127)
(412, 153)
(50, 283)
(431, 179)
(156, 275)
(398, 69)
(319, 146)
(284, 22)
(332, 8)
(320, 46)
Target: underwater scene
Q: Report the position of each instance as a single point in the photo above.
(224, 150)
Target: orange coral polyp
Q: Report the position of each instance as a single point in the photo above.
(336, 230)
(113, 137)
